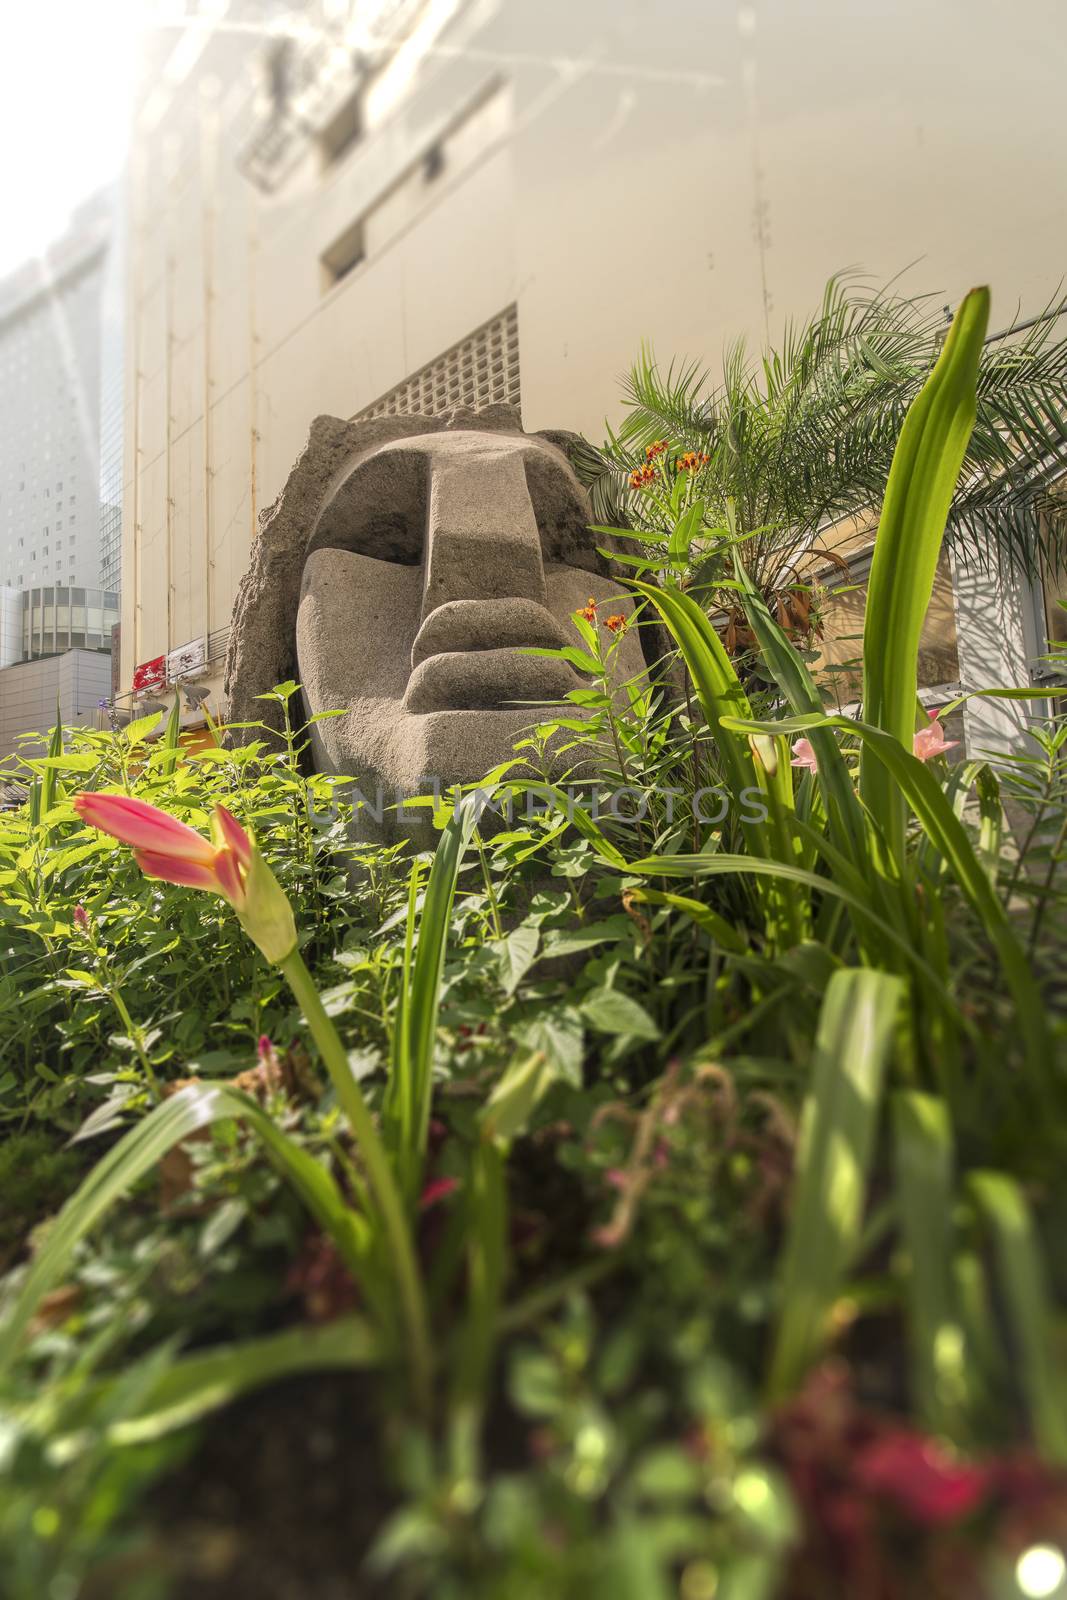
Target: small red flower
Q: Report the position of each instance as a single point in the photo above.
(921, 1478)
(81, 918)
(437, 1189)
(588, 611)
(656, 448)
(616, 623)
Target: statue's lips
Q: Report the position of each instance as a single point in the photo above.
(487, 680)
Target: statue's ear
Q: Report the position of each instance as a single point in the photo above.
(262, 644)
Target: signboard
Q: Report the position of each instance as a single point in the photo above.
(150, 676)
(188, 661)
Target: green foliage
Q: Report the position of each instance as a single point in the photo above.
(805, 434)
(583, 1134)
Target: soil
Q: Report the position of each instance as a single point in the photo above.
(280, 1500)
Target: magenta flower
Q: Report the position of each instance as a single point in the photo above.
(920, 1477)
(81, 918)
(930, 741)
(804, 755)
(437, 1189)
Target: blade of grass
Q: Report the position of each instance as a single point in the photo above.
(417, 1022)
(185, 1113)
(922, 1134)
(172, 737)
(721, 695)
(49, 776)
(193, 1386)
(1026, 1296)
(919, 788)
(922, 479)
(839, 1122)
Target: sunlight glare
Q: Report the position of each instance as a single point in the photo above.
(63, 114)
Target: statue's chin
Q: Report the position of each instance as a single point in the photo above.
(393, 754)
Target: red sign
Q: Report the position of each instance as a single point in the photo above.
(150, 675)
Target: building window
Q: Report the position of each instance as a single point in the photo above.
(343, 255)
(342, 131)
(481, 370)
(433, 162)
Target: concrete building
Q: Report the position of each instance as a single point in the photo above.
(61, 374)
(50, 388)
(402, 204)
(75, 682)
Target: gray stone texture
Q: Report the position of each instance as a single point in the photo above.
(400, 574)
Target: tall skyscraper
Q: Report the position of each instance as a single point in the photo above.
(61, 378)
(50, 394)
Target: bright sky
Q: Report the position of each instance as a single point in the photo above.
(63, 111)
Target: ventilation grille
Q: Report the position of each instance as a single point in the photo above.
(481, 370)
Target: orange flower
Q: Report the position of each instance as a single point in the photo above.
(589, 611)
(692, 461)
(656, 448)
(641, 477)
(616, 623)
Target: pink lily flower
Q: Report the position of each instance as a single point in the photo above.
(930, 741)
(804, 755)
(227, 864)
(165, 848)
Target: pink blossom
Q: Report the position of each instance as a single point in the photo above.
(930, 741)
(81, 918)
(165, 848)
(804, 755)
(437, 1189)
(921, 1478)
(227, 864)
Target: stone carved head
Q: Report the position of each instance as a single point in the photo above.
(398, 577)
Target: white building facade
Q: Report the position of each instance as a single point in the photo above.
(408, 204)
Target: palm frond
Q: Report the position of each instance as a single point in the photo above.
(803, 435)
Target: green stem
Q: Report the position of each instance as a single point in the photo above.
(494, 908)
(376, 1161)
(134, 1034)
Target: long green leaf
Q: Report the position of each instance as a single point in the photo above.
(721, 865)
(801, 691)
(919, 788)
(704, 916)
(412, 1086)
(837, 1136)
(922, 1134)
(185, 1113)
(172, 734)
(195, 1385)
(721, 695)
(926, 466)
(49, 776)
(1026, 1296)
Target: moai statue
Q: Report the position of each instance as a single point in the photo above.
(397, 578)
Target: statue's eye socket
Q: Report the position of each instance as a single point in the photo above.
(562, 515)
(378, 510)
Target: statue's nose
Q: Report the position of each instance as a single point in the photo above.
(482, 539)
